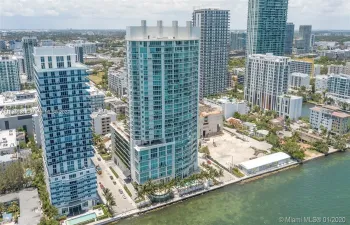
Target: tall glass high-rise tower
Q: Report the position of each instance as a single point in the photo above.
(305, 36)
(28, 44)
(266, 26)
(163, 82)
(214, 26)
(65, 128)
(288, 43)
(9, 73)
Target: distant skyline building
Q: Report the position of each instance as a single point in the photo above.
(266, 79)
(65, 126)
(266, 26)
(214, 25)
(289, 39)
(9, 73)
(304, 40)
(28, 44)
(163, 80)
(238, 41)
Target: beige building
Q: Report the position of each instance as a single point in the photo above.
(210, 121)
(101, 121)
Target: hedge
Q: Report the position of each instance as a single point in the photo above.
(86, 222)
(113, 171)
(127, 190)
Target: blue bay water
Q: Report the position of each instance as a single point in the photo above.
(319, 188)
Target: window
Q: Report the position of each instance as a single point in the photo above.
(60, 61)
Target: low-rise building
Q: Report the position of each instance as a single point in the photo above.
(101, 121)
(261, 133)
(321, 83)
(210, 121)
(298, 80)
(97, 98)
(229, 106)
(338, 86)
(305, 66)
(117, 81)
(264, 163)
(289, 106)
(317, 69)
(336, 54)
(116, 105)
(330, 118)
(121, 147)
(16, 110)
(251, 127)
(6, 160)
(8, 141)
(240, 73)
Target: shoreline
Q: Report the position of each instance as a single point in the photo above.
(244, 180)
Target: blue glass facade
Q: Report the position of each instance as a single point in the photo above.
(163, 108)
(66, 131)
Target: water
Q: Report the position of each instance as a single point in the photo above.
(82, 219)
(305, 112)
(319, 188)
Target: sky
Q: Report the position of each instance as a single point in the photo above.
(117, 14)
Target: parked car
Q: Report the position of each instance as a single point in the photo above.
(115, 183)
(101, 185)
(120, 191)
(111, 177)
(98, 158)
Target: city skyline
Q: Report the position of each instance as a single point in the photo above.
(62, 15)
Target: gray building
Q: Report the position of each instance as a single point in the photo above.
(9, 73)
(288, 41)
(266, 26)
(214, 26)
(28, 44)
(238, 41)
(2, 45)
(304, 42)
(299, 66)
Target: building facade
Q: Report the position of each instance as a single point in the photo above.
(97, 98)
(298, 80)
(289, 39)
(163, 81)
(214, 28)
(266, 28)
(266, 79)
(101, 121)
(321, 83)
(28, 44)
(339, 69)
(117, 81)
(9, 74)
(289, 106)
(305, 39)
(331, 119)
(338, 85)
(238, 41)
(302, 66)
(65, 126)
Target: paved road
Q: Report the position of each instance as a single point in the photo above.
(123, 203)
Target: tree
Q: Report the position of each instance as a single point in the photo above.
(2, 208)
(321, 147)
(340, 143)
(293, 149)
(237, 115)
(273, 139)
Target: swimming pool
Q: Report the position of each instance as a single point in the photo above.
(81, 219)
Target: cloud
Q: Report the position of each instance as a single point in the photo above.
(120, 13)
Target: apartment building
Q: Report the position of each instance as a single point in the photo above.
(163, 100)
(266, 79)
(9, 73)
(298, 80)
(214, 27)
(65, 129)
(101, 121)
